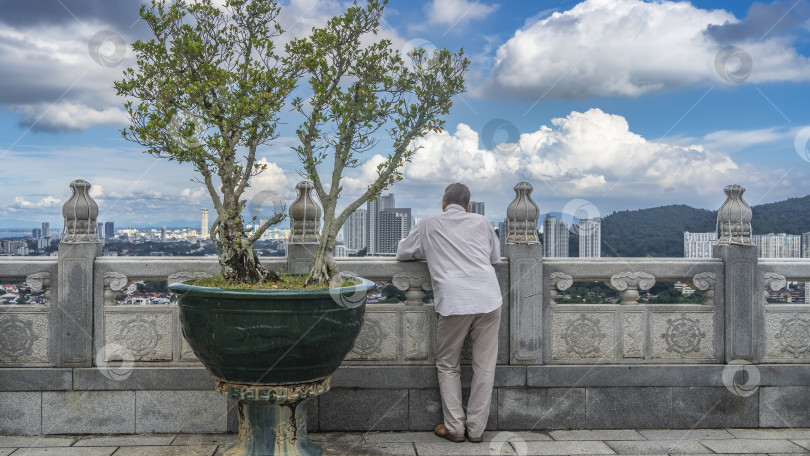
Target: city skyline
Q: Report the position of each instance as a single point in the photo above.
(709, 94)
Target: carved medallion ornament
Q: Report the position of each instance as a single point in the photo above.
(16, 338)
(683, 335)
(794, 336)
(582, 336)
(370, 339)
(139, 335)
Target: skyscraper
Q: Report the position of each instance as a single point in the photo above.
(806, 254)
(204, 224)
(46, 229)
(590, 238)
(778, 245)
(100, 230)
(393, 225)
(36, 233)
(555, 237)
(109, 230)
(477, 207)
(163, 234)
(373, 209)
(698, 245)
(354, 231)
(502, 236)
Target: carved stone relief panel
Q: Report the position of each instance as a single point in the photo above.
(378, 338)
(682, 335)
(583, 334)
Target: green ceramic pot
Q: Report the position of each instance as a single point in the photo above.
(271, 337)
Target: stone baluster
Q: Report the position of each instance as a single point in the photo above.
(78, 251)
(705, 282)
(305, 221)
(628, 285)
(559, 282)
(40, 281)
(772, 281)
(521, 217)
(734, 218)
(114, 282)
(742, 295)
(414, 286)
(526, 286)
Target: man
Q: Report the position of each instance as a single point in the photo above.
(461, 250)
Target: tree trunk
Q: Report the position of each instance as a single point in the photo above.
(324, 269)
(237, 257)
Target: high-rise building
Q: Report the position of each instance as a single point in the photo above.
(340, 251)
(354, 231)
(163, 234)
(204, 224)
(590, 238)
(477, 207)
(394, 225)
(46, 229)
(555, 237)
(373, 208)
(109, 230)
(805, 253)
(698, 245)
(100, 230)
(36, 233)
(502, 236)
(778, 245)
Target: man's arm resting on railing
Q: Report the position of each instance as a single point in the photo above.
(410, 248)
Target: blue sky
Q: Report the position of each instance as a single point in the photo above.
(601, 105)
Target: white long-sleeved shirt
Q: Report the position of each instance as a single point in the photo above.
(460, 249)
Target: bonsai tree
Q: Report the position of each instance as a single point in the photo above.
(209, 88)
(358, 91)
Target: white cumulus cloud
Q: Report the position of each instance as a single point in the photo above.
(633, 47)
(451, 12)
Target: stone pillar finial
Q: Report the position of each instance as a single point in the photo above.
(521, 217)
(305, 215)
(734, 218)
(80, 213)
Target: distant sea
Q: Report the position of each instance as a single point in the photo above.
(14, 234)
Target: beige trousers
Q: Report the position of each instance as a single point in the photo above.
(450, 334)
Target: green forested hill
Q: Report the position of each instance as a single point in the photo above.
(658, 231)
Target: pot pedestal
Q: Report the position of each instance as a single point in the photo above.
(273, 418)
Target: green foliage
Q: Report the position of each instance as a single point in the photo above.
(152, 286)
(390, 292)
(791, 216)
(655, 232)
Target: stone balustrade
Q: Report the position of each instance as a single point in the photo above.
(81, 342)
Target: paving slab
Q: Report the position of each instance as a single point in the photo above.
(571, 447)
(657, 447)
(685, 434)
(15, 441)
(63, 451)
(205, 439)
(753, 446)
(6, 451)
(441, 447)
(370, 449)
(795, 433)
(126, 440)
(607, 434)
(802, 442)
(177, 450)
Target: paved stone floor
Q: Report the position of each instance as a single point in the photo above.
(519, 443)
